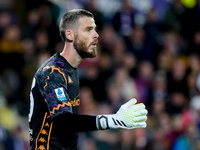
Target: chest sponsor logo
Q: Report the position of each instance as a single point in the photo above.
(60, 94)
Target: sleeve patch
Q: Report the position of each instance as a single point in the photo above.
(60, 94)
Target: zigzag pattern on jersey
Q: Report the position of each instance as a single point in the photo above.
(57, 62)
(55, 107)
(50, 94)
(59, 106)
(53, 68)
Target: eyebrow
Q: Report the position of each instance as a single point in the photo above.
(91, 27)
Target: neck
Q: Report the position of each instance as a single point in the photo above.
(71, 55)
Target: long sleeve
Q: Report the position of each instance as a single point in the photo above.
(75, 122)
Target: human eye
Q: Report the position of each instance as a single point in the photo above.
(88, 29)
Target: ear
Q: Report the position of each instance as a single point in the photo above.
(69, 35)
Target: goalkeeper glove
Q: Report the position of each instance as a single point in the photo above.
(129, 116)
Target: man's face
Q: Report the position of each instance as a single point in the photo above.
(86, 38)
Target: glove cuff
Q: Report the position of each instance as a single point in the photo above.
(104, 122)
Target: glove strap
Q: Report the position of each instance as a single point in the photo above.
(104, 122)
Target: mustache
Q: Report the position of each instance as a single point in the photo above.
(94, 42)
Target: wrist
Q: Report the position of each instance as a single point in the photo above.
(104, 122)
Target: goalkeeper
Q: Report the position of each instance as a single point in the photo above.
(54, 119)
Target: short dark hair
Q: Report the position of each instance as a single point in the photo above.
(70, 20)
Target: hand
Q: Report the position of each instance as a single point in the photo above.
(129, 116)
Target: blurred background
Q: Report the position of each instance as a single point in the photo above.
(148, 49)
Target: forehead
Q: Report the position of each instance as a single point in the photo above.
(86, 21)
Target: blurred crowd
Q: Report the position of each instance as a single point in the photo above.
(148, 49)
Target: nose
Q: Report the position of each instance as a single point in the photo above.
(96, 35)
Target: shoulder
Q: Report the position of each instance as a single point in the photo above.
(53, 67)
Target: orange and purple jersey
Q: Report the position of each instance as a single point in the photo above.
(54, 91)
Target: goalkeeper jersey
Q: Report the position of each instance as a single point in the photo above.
(54, 91)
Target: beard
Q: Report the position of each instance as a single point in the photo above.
(82, 49)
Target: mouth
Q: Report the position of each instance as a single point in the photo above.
(94, 44)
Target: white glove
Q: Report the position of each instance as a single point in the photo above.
(129, 116)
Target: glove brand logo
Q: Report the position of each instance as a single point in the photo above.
(117, 122)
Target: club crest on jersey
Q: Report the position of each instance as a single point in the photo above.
(60, 94)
